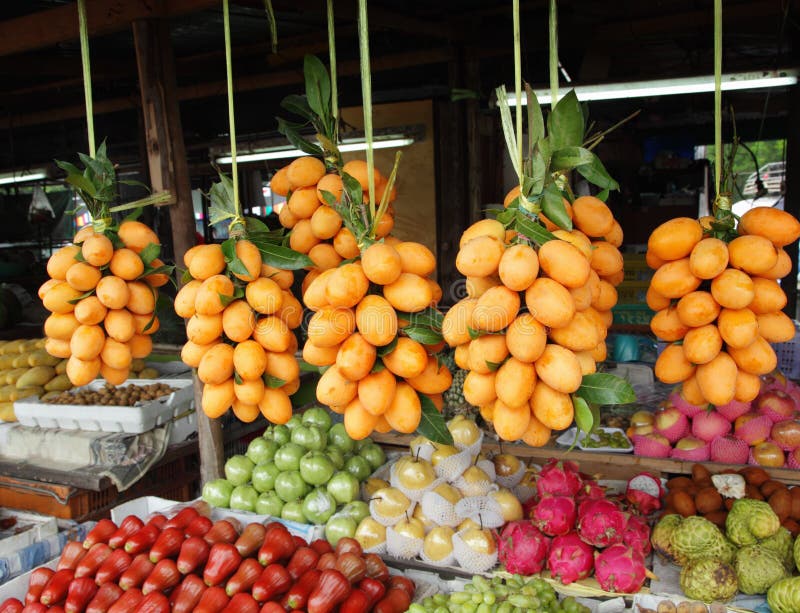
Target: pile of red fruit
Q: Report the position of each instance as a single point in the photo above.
(575, 529)
(189, 563)
(764, 432)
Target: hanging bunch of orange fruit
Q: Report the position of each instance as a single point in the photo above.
(541, 282)
(240, 317)
(102, 290)
(718, 301)
(375, 332)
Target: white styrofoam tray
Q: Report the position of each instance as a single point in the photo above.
(18, 586)
(135, 419)
(146, 505)
(30, 528)
(568, 437)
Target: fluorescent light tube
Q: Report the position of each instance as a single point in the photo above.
(280, 153)
(672, 87)
(10, 178)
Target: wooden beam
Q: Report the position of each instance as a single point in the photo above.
(53, 26)
(217, 88)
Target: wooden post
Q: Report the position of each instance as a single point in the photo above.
(791, 202)
(166, 157)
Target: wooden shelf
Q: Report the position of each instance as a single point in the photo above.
(603, 464)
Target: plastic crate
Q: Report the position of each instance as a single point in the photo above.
(789, 355)
(636, 268)
(632, 314)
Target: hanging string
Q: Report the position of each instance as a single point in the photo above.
(332, 60)
(273, 26)
(87, 75)
(518, 86)
(226, 18)
(553, 25)
(719, 153)
(366, 94)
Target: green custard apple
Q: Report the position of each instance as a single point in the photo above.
(750, 520)
(709, 580)
(757, 569)
(784, 596)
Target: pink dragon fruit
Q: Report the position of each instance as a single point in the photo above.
(555, 515)
(558, 479)
(620, 569)
(590, 490)
(570, 559)
(522, 548)
(637, 534)
(733, 409)
(600, 523)
(644, 491)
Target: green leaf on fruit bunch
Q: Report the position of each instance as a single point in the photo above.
(281, 257)
(602, 195)
(221, 197)
(273, 382)
(533, 230)
(565, 123)
(235, 265)
(306, 367)
(150, 253)
(535, 119)
(318, 87)
(594, 172)
(584, 418)
(329, 198)
(186, 276)
(252, 225)
(386, 349)
(494, 366)
(603, 388)
(553, 207)
(81, 297)
(506, 216)
(238, 292)
(423, 334)
(568, 158)
(431, 424)
(291, 131)
(299, 106)
(134, 214)
(428, 317)
(378, 366)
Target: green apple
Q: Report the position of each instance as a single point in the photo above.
(319, 417)
(339, 527)
(336, 456)
(358, 467)
(374, 455)
(295, 421)
(244, 498)
(318, 506)
(338, 436)
(310, 437)
(264, 476)
(344, 487)
(293, 511)
(316, 468)
(357, 509)
(268, 503)
(281, 434)
(290, 486)
(217, 493)
(363, 443)
(288, 456)
(238, 469)
(261, 450)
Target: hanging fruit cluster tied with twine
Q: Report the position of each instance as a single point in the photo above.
(541, 282)
(102, 289)
(239, 310)
(716, 288)
(375, 332)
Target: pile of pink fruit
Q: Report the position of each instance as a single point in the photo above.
(764, 432)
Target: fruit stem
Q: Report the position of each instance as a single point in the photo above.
(366, 95)
(518, 85)
(332, 60)
(553, 43)
(226, 19)
(87, 75)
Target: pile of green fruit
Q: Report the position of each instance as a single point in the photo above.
(308, 470)
(516, 594)
(753, 553)
(604, 438)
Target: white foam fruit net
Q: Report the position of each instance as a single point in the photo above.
(472, 488)
(487, 466)
(422, 449)
(401, 546)
(524, 492)
(453, 467)
(439, 510)
(378, 549)
(411, 494)
(471, 560)
(483, 510)
(383, 520)
(511, 481)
